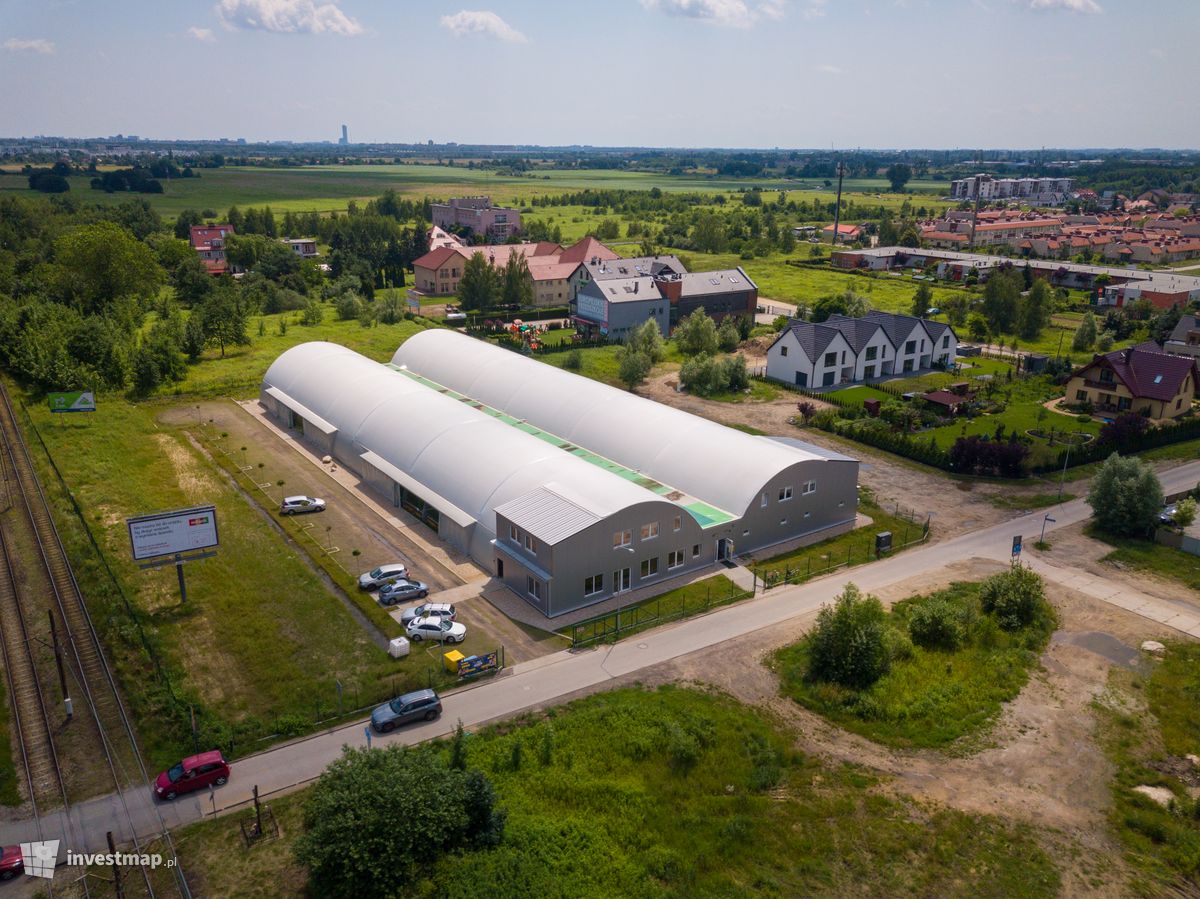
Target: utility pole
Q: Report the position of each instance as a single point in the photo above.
(837, 208)
(62, 677)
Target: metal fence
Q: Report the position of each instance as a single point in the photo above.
(612, 626)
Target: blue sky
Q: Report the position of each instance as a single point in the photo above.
(726, 73)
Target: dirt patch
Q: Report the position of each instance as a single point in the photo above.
(196, 483)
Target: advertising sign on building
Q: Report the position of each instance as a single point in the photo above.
(172, 532)
(72, 401)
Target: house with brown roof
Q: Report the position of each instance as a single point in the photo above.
(209, 242)
(556, 274)
(1141, 379)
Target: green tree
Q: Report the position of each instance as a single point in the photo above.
(351, 843)
(224, 316)
(1001, 299)
(898, 175)
(194, 338)
(848, 645)
(934, 624)
(101, 263)
(1185, 512)
(1015, 597)
(708, 234)
(184, 222)
(1125, 496)
(696, 333)
(922, 300)
(1036, 308)
(956, 307)
(1085, 334)
(477, 289)
(728, 336)
(633, 367)
(516, 284)
(647, 339)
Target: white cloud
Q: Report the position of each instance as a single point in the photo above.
(830, 70)
(201, 34)
(30, 45)
(730, 13)
(1086, 6)
(287, 17)
(482, 21)
(814, 9)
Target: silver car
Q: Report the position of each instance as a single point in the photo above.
(435, 628)
(376, 578)
(295, 505)
(401, 590)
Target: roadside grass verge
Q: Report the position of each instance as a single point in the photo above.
(1146, 555)
(929, 699)
(1148, 727)
(845, 550)
(682, 602)
(675, 792)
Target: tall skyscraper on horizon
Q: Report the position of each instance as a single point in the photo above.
(345, 139)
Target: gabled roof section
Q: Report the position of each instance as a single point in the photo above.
(439, 257)
(585, 250)
(813, 339)
(857, 331)
(1185, 325)
(1147, 371)
(547, 514)
(897, 327)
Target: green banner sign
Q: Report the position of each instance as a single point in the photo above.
(73, 401)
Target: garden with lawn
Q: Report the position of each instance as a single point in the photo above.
(933, 672)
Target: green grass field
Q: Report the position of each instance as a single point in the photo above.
(931, 698)
(328, 188)
(1148, 747)
(675, 792)
(257, 646)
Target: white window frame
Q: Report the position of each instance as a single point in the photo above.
(677, 555)
(513, 534)
(625, 538)
(650, 530)
(531, 544)
(695, 550)
(533, 587)
(677, 524)
(649, 568)
(785, 493)
(596, 582)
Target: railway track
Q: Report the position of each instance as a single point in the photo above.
(82, 654)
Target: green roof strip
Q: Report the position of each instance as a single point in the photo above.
(707, 516)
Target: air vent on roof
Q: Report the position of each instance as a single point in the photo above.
(714, 280)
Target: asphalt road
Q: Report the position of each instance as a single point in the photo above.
(543, 681)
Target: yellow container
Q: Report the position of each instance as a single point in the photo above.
(451, 660)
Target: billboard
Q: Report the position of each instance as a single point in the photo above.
(72, 401)
(172, 532)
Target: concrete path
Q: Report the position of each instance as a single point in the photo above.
(547, 680)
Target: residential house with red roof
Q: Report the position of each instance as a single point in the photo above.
(209, 242)
(1142, 379)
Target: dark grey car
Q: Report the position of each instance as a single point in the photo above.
(402, 589)
(420, 705)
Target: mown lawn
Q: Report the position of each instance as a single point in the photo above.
(848, 550)
(676, 792)
(260, 642)
(930, 699)
(1149, 748)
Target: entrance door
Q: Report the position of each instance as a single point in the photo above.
(621, 580)
(724, 549)
(500, 568)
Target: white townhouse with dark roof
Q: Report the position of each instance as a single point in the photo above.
(845, 350)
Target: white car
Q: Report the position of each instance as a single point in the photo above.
(295, 505)
(434, 628)
(384, 574)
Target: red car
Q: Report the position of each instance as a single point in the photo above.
(195, 773)
(11, 862)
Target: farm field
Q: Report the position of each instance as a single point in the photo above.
(331, 187)
(749, 814)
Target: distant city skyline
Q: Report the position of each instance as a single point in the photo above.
(894, 74)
